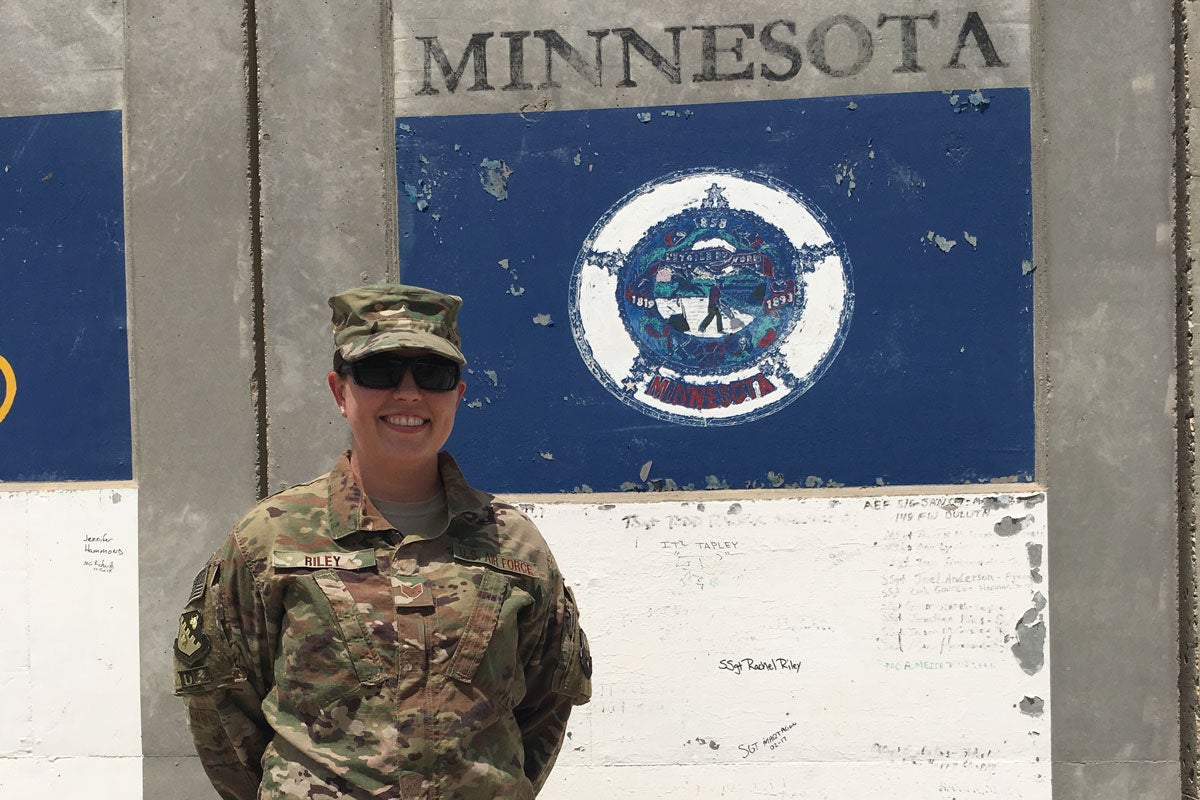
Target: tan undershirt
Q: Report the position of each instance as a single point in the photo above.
(425, 518)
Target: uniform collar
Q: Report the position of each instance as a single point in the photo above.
(350, 509)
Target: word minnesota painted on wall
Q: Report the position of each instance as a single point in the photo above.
(837, 46)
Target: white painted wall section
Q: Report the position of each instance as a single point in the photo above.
(70, 724)
(866, 647)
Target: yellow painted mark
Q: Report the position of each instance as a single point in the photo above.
(10, 387)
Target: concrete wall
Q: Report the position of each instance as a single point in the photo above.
(260, 176)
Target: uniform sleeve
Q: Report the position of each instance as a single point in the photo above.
(557, 677)
(222, 671)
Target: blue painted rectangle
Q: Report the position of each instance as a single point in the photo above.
(930, 194)
(62, 287)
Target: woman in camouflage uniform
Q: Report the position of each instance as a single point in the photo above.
(385, 631)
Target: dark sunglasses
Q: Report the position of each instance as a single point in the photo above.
(386, 371)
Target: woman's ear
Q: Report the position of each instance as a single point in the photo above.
(338, 387)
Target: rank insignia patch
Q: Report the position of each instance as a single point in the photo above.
(411, 591)
(191, 643)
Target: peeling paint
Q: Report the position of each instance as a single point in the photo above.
(643, 117)
(943, 244)
(975, 101)
(844, 174)
(997, 502)
(971, 240)
(734, 508)
(516, 289)
(630, 486)
(1033, 706)
(492, 376)
(1030, 647)
(1010, 526)
(420, 194)
(775, 479)
(476, 403)
(710, 743)
(1035, 554)
(1031, 500)
(644, 472)
(494, 178)
(542, 105)
(583, 489)
(546, 455)
(1027, 267)
(713, 482)
(852, 106)
(543, 320)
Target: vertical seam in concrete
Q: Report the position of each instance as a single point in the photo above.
(390, 188)
(1184, 414)
(258, 381)
(135, 439)
(1039, 136)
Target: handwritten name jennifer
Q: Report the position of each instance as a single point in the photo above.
(738, 665)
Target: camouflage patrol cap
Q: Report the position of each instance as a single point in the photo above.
(392, 316)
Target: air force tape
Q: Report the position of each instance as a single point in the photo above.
(711, 297)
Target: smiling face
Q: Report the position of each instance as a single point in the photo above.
(396, 433)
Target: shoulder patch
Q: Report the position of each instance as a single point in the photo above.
(194, 680)
(198, 585)
(192, 643)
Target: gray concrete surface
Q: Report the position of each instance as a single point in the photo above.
(61, 57)
(187, 235)
(328, 200)
(1104, 242)
(175, 778)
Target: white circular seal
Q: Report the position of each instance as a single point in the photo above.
(711, 297)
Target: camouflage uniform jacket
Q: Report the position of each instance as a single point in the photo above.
(322, 654)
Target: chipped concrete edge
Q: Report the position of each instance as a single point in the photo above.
(1018, 490)
(1187, 167)
(1039, 135)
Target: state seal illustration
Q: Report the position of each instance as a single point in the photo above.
(711, 297)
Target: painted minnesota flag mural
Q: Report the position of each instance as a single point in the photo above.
(728, 288)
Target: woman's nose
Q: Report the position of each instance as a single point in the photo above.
(407, 386)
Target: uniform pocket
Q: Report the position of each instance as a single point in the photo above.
(573, 677)
(326, 654)
(486, 655)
